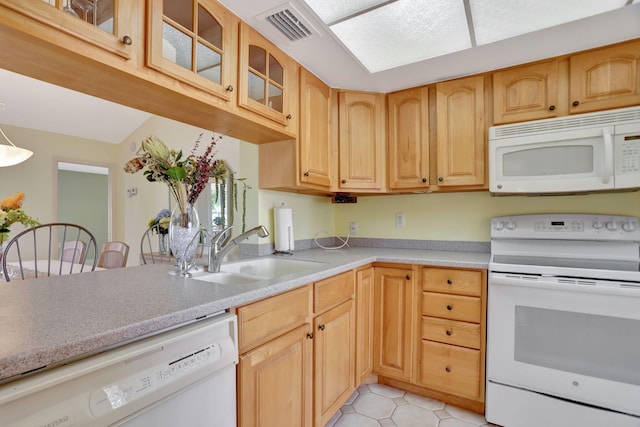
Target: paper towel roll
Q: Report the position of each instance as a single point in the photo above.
(283, 225)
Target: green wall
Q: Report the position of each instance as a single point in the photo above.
(434, 216)
(83, 199)
(466, 216)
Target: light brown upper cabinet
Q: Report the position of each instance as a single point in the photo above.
(80, 27)
(317, 156)
(526, 93)
(605, 78)
(267, 80)
(362, 141)
(408, 154)
(194, 42)
(461, 132)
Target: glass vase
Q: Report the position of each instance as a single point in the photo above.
(183, 228)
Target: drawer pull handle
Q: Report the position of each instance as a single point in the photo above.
(449, 281)
(407, 277)
(449, 307)
(310, 335)
(321, 327)
(449, 332)
(448, 369)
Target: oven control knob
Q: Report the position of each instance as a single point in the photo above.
(612, 226)
(598, 225)
(511, 225)
(498, 225)
(628, 226)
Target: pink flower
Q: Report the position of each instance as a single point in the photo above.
(134, 165)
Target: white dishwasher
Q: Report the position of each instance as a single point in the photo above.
(183, 377)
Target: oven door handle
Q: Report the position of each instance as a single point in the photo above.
(564, 284)
(608, 154)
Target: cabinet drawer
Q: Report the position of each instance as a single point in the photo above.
(264, 320)
(451, 332)
(455, 307)
(450, 368)
(332, 291)
(460, 282)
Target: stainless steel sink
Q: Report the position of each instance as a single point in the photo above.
(269, 268)
(224, 278)
(244, 272)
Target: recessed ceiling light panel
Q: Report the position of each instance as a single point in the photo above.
(404, 32)
(335, 10)
(502, 19)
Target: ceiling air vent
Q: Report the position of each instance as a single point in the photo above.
(290, 23)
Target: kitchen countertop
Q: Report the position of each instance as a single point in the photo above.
(50, 321)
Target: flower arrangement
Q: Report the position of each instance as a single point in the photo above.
(10, 213)
(162, 220)
(186, 177)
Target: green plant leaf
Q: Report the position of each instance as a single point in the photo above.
(177, 173)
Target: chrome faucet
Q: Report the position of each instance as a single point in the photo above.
(220, 244)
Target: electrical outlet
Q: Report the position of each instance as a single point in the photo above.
(353, 228)
(399, 220)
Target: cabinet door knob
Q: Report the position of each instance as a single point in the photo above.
(310, 335)
(449, 281)
(448, 369)
(321, 327)
(424, 179)
(344, 181)
(289, 116)
(306, 173)
(440, 179)
(575, 103)
(552, 107)
(126, 40)
(449, 332)
(407, 277)
(229, 88)
(449, 307)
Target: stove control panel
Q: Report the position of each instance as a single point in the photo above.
(566, 226)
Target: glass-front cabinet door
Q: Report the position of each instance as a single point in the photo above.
(193, 41)
(268, 79)
(105, 24)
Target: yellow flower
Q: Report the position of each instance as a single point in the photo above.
(13, 202)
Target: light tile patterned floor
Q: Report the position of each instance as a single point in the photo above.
(378, 405)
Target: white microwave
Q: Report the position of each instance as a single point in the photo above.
(576, 154)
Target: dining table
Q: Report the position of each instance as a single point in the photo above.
(46, 267)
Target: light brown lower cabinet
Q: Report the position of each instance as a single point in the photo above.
(274, 382)
(393, 320)
(364, 323)
(303, 352)
(430, 332)
(334, 345)
(295, 369)
(452, 334)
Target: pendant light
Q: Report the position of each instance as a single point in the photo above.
(10, 154)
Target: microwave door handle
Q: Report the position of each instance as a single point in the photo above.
(608, 155)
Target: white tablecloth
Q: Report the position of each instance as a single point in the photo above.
(54, 266)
